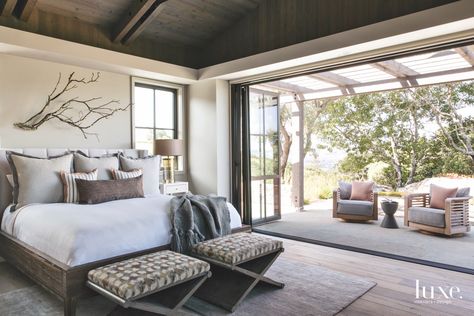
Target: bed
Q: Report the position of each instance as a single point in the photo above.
(57, 244)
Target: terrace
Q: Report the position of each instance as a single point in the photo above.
(296, 200)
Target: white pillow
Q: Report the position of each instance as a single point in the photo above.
(151, 171)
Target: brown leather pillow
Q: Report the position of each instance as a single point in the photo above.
(362, 190)
(99, 191)
(439, 195)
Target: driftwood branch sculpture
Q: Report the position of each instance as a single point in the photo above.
(76, 112)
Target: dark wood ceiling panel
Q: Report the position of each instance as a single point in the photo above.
(99, 12)
(199, 33)
(195, 22)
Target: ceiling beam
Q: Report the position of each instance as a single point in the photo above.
(467, 53)
(6, 7)
(155, 9)
(24, 8)
(136, 11)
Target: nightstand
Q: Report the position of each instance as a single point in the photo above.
(174, 188)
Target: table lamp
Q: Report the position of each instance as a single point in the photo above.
(168, 149)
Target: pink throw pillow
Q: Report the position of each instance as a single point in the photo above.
(362, 190)
(439, 195)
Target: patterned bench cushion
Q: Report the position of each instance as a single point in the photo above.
(236, 248)
(138, 276)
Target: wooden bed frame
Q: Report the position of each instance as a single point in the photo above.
(68, 283)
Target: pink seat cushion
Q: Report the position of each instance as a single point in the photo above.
(439, 195)
(362, 190)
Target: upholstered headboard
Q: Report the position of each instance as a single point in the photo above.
(5, 188)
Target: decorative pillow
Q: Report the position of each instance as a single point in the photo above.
(438, 195)
(463, 192)
(119, 174)
(362, 190)
(70, 188)
(99, 191)
(151, 171)
(345, 189)
(103, 164)
(37, 180)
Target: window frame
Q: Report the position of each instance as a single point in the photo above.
(179, 115)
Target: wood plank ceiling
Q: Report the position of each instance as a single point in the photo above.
(198, 33)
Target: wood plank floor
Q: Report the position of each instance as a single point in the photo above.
(394, 293)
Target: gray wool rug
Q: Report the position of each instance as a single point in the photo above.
(309, 290)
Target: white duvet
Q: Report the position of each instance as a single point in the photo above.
(77, 234)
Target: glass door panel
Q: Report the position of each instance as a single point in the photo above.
(264, 156)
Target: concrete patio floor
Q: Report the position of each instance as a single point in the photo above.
(316, 223)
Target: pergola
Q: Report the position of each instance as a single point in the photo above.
(431, 68)
(449, 65)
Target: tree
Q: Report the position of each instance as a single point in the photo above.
(378, 127)
(312, 109)
(446, 102)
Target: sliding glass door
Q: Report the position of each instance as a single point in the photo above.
(264, 156)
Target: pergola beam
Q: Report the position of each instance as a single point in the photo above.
(7, 7)
(342, 82)
(467, 53)
(288, 87)
(394, 80)
(398, 70)
(155, 9)
(136, 11)
(24, 8)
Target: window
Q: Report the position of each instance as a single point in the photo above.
(155, 116)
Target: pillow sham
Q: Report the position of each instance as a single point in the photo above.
(151, 171)
(37, 180)
(361, 190)
(438, 195)
(103, 164)
(99, 191)
(119, 174)
(69, 184)
(10, 180)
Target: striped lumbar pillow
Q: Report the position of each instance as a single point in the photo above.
(71, 195)
(120, 175)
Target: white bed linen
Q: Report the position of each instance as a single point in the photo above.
(77, 234)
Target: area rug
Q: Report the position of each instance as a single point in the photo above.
(309, 290)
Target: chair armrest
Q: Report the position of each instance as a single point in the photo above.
(415, 199)
(336, 195)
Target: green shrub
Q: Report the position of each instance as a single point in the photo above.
(325, 193)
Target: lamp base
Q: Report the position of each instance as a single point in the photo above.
(168, 169)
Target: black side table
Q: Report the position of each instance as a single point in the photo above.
(389, 208)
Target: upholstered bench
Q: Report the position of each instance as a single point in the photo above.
(160, 282)
(238, 262)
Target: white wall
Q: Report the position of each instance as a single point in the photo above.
(24, 86)
(208, 137)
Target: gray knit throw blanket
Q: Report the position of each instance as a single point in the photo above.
(196, 218)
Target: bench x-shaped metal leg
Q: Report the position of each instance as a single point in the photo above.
(230, 284)
(166, 301)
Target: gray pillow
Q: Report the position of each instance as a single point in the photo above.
(463, 192)
(37, 180)
(103, 164)
(151, 171)
(346, 189)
